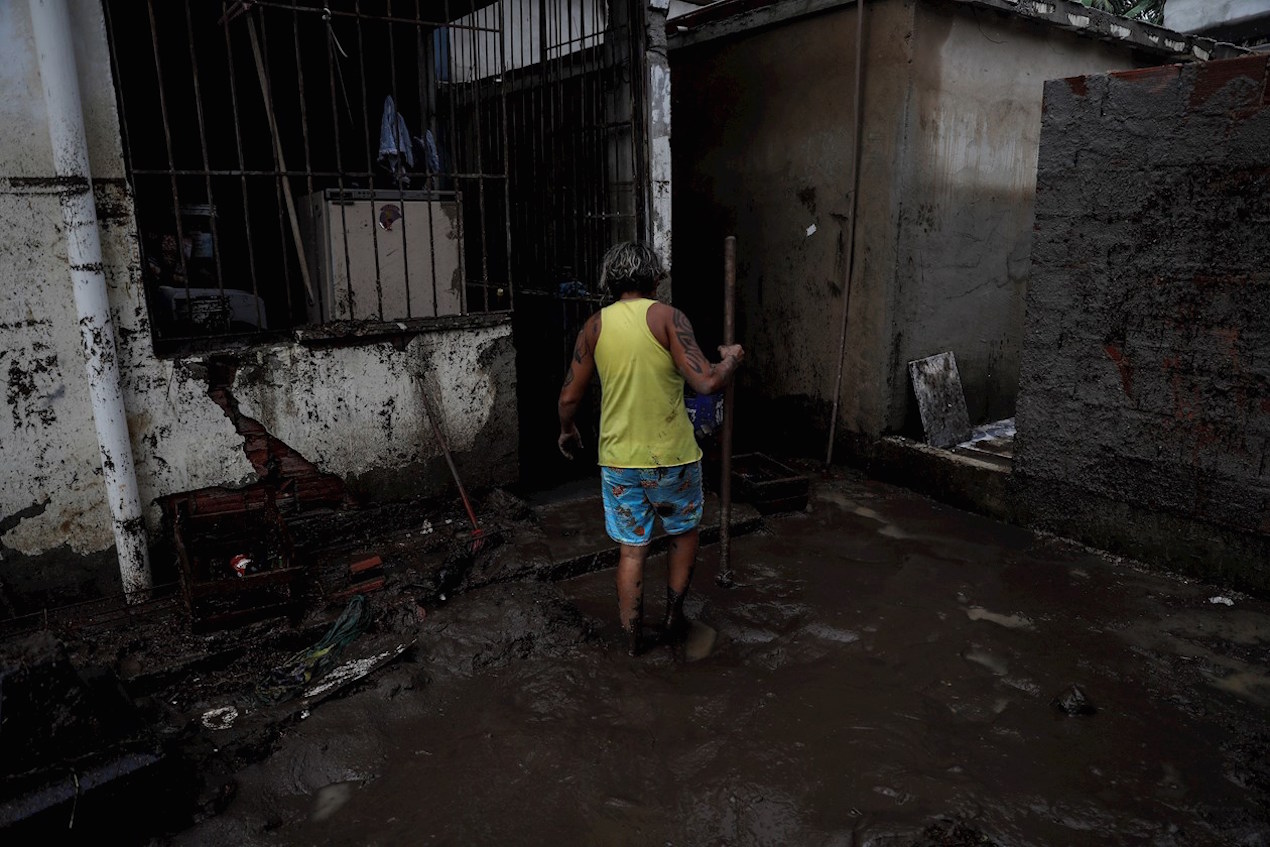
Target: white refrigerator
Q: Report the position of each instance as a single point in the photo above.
(398, 249)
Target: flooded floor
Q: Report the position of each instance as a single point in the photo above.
(888, 672)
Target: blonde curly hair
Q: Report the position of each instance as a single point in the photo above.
(631, 266)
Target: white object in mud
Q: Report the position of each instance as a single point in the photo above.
(352, 671)
(221, 718)
(1224, 601)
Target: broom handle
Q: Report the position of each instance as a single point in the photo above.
(729, 337)
(445, 451)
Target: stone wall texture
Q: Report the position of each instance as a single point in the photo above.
(1144, 406)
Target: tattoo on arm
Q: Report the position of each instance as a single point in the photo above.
(568, 377)
(692, 353)
(578, 353)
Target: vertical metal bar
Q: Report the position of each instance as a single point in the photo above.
(604, 143)
(452, 148)
(595, 161)
(260, 51)
(308, 161)
(513, 34)
(575, 127)
(116, 70)
(524, 141)
(507, 179)
(427, 122)
(207, 165)
(584, 132)
(639, 108)
(238, 140)
(125, 139)
(587, 254)
(401, 192)
(167, 140)
(480, 168)
(370, 160)
(332, 56)
(557, 171)
(542, 143)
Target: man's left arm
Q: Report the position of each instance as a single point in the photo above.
(576, 379)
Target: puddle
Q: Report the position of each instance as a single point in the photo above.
(978, 613)
(699, 642)
(985, 659)
(330, 800)
(1251, 685)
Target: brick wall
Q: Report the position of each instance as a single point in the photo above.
(1144, 407)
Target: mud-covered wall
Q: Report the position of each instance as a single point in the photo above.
(353, 411)
(762, 150)
(762, 146)
(969, 179)
(1144, 409)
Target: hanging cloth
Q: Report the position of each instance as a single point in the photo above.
(395, 148)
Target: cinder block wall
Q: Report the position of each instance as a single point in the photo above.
(1144, 404)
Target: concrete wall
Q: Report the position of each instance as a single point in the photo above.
(762, 148)
(969, 178)
(1144, 411)
(1207, 15)
(353, 411)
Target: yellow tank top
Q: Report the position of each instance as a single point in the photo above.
(643, 422)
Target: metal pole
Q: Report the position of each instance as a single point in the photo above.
(55, 47)
(854, 181)
(282, 162)
(729, 337)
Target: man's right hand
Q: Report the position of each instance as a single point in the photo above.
(567, 437)
(732, 350)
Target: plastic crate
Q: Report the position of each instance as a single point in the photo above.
(217, 596)
(768, 485)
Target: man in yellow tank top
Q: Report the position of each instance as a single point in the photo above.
(650, 464)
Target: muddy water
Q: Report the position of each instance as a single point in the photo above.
(884, 675)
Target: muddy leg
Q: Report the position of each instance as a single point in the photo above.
(630, 594)
(682, 558)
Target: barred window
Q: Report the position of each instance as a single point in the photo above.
(298, 165)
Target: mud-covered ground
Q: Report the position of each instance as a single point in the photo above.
(885, 674)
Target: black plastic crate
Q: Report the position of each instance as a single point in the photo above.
(216, 595)
(768, 485)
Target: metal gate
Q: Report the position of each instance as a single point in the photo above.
(296, 164)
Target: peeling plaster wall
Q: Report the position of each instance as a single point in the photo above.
(49, 457)
(353, 410)
(969, 181)
(359, 412)
(1144, 407)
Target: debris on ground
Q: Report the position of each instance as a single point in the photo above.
(1074, 701)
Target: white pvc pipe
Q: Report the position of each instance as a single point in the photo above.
(54, 44)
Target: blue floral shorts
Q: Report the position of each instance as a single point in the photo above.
(632, 496)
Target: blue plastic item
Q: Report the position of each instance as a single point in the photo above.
(705, 411)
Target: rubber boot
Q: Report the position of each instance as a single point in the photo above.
(676, 626)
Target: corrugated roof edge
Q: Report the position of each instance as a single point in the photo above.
(730, 17)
